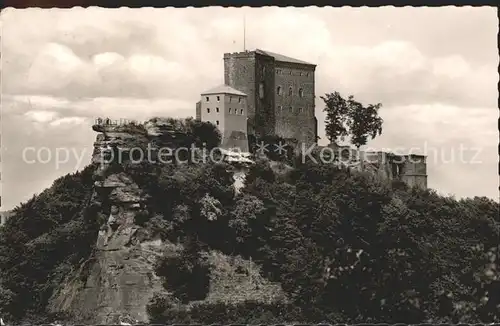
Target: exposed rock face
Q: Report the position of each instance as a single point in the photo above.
(118, 280)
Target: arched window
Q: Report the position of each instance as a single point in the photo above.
(208, 110)
(279, 90)
(229, 110)
(301, 92)
(217, 110)
(261, 90)
(290, 91)
(241, 111)
(217, 122)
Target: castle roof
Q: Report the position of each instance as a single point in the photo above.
(282, 58)
(223, 89)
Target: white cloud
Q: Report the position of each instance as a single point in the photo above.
(40, 116)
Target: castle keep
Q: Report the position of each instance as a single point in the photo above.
(267, 94)
(278, 96)
(280, 93)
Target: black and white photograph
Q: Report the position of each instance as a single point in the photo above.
(249, 165)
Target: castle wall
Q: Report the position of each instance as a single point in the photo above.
(295, 112)
(415, 171)
(229, 113)
(246, 71)
(234, 134)
(239, 73)
(265, 119)
(212, 110)
(198, 110)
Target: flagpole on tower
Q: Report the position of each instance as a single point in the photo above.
(244, 33)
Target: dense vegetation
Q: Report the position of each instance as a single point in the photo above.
(327, 234)
(44, 240)
(345, 246)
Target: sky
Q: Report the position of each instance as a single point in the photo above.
(433, 69)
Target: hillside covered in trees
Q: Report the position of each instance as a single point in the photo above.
(342, 245)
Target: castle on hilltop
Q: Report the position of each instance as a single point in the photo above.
(275, 97)
(267, 94)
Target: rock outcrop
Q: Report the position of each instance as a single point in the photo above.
(119, 279)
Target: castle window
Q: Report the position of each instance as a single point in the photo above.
(229, 110)
(261, 90)
(278, 71)
(290, 91)
(241, 111)
(208, 110)
(290, 109)
(279, 90)
(300, 73)
(307, 74)
(217, 122)
(290, 72)
(239, 99)
(207, 98)
(218, 98)
(280, 108)
(217, 110)
(301, 92)
(301, 110)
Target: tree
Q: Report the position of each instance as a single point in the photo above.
(336, 115)
(350, 118)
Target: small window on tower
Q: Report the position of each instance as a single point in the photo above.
(239, 99)
(241, 111)
(261, 90)
(279, 90)
(217, 122)
(207, 98)
(301, 110)
(280, 108)
(290, 109)
(301, 92)
(217, 110)
(290, 91)
(218, 98)
(230, 99)
(229, 110)
(208, 110)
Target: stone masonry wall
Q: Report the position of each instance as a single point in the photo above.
(239, 73)
(295, 113)
(265, 119)
(268, 112)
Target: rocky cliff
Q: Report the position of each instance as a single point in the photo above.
(118, 281)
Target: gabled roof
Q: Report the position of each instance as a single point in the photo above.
(223, 89)
(283, 58)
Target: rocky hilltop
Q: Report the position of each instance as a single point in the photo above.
(278, 242)
(119, 279)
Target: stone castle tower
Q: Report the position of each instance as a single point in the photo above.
(280, 93)
(226, 108)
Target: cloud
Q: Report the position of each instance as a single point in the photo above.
(433, 69)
